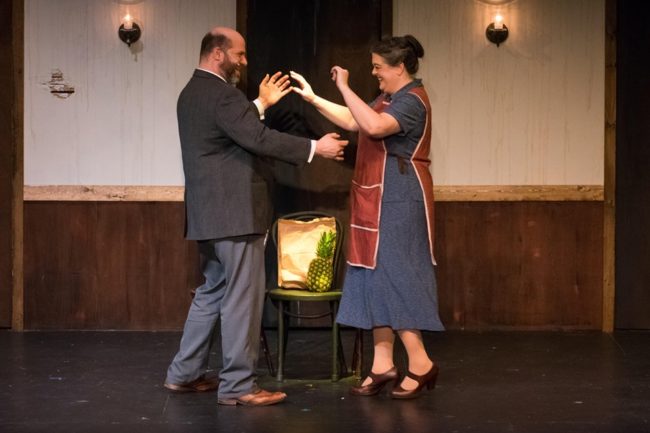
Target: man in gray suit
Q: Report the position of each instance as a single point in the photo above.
(228, 212)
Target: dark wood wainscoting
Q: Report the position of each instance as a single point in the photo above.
(107, 265)
(125, 265)
(520, 265)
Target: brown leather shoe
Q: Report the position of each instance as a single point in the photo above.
(377, 384)
(260, 397)
(200, 384)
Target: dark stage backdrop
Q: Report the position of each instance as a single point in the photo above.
(309, 37)
(633, 166)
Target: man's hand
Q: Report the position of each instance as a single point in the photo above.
(329, 146)
(304, 88)
(273, 88)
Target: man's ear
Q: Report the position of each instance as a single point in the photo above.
(217, 54)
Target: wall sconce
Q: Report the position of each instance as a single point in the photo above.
(129, 31)
(497, 32)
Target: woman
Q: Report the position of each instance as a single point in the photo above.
(390, 284)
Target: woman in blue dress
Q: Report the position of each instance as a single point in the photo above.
(390, 285)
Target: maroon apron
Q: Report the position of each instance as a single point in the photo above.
(368, 186)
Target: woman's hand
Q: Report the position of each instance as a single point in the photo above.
(305, 89)
(340, 76)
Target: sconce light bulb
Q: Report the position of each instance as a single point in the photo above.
(498, 22)
(128, 22)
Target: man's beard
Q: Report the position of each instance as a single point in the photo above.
(231, 71)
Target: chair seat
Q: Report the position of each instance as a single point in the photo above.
(303, 295)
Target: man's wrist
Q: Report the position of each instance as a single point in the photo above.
(260, 107)
(313, 151)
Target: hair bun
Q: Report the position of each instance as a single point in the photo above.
(415, 44)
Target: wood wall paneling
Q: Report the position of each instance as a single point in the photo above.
(470, 193)
(107, 266)
(18, 31)
(525, 265)
(609, 211)
(502, 265)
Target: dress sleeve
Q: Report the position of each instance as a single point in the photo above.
(409, 111)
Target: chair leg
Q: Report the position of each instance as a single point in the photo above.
(335, 342)
(267, 352)
(343, 365)
(281, 342)
(335, 354)
(357, 355)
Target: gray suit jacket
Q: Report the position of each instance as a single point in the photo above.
(222, 140)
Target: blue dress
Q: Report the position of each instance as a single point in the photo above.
(401, 291)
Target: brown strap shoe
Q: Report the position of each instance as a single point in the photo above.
(377, 384)
(260, 397)
(427, 380)
(200, 384)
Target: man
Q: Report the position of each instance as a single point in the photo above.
(228, 212)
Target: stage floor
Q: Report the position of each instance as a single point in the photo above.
(489, 382)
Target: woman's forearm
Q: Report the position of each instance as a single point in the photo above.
(372, 123)
(338, 114)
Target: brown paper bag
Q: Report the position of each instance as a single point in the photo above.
(297, 241)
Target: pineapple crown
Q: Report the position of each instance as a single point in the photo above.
(326, 244)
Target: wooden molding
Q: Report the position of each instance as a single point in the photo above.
(442, 193)
(103, 193)
(18, 26)
(519, 193)
(609, 211)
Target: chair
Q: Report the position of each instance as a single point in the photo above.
(282, 298)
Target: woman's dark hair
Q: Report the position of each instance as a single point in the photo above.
(210, 41)
(400, 49)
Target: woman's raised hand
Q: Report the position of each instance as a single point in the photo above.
(304, 88)
(340, 76)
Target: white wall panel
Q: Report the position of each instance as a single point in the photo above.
(530, 112)
(119, 127)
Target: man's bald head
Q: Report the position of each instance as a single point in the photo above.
(231, 34)
(211, 41)
(223, 51)
(221, 37)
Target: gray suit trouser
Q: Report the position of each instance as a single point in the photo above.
(233, 291)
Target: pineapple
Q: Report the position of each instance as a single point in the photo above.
(321, 270)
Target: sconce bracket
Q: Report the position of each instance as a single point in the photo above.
(129, 36)
(496, 36)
